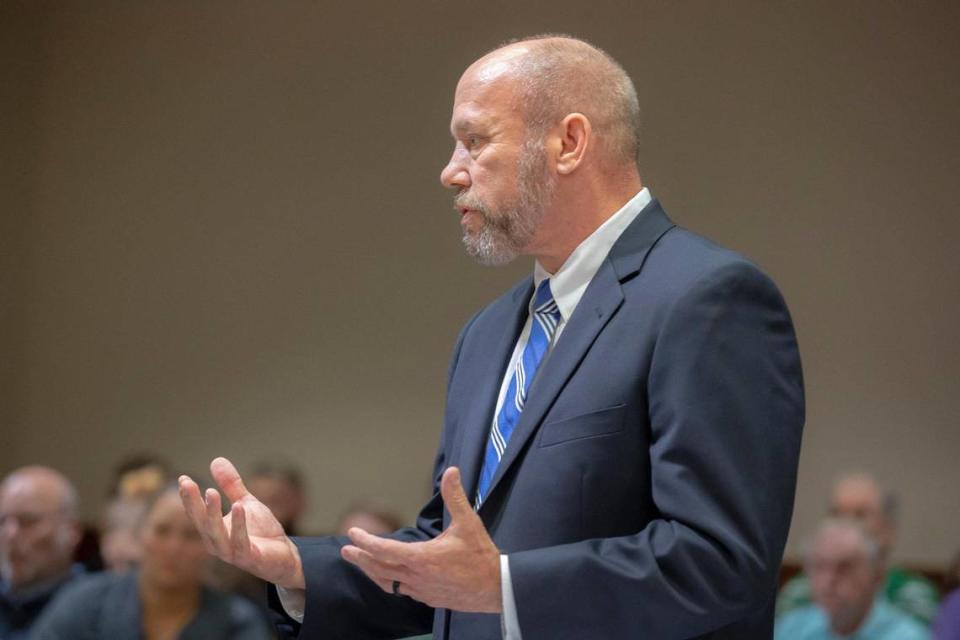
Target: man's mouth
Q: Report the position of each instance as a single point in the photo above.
(466, 215)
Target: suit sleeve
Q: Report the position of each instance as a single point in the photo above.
(726, 409)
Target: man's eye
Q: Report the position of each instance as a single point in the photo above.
(473, 141)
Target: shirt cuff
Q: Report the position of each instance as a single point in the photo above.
(294, 601)
(509, 619)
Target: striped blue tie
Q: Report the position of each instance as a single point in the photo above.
(546, 318)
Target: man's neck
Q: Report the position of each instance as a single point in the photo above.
(584, 214)
(575, 226)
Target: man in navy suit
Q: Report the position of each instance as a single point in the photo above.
(622, 430)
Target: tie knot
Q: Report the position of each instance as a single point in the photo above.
(543, 302)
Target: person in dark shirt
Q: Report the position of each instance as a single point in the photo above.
(39, 532)
(164, 598)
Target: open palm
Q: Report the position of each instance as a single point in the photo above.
(249, 536)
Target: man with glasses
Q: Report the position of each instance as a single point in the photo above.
(38, 535)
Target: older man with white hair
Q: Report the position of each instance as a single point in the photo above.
(39, 532)
(846, 569)
(860, 496)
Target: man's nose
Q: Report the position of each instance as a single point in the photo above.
(455, 175)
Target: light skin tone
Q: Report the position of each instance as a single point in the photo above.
(459, 569)
(172, 568)
(860, 498)
(38, 529)
(488, 136)
(843, 578)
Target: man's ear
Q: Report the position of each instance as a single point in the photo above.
(576, 135)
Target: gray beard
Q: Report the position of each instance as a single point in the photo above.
(509, 228)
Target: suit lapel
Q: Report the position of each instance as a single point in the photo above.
(502, 329)
(599, 304)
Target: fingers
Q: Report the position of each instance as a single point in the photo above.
(214, 529)
(192, 502)
(383, 573)
(391, 578)
(205, 514)
(454, 497)
(239, 537)
(383, 549)
(228, 479)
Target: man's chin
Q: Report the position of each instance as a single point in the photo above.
(487, 254)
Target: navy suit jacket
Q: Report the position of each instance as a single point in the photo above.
(647, 489)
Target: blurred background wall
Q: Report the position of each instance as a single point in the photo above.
(222, 229)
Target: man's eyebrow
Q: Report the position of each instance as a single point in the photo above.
(467, 124)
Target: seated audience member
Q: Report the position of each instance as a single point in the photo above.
(38, 534)
(946, 626)
(120, 545)
(371, 519)
(845, 566)
(164, 598)
(860, 497)
(279, 485)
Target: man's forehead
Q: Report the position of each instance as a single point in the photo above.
(496, 64)
(491, 76)
(482, 105)
(470, 117)
(30, 490)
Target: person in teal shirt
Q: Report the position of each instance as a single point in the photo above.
(859, 496)
(846, 570)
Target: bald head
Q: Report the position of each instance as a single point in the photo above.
(48, 487)
(859, 496)
(545, 145)
(38, 526)
(556, 75)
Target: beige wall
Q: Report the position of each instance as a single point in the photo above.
(223, 231)
(19, 74)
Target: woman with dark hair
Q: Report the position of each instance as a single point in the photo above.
(164, 599)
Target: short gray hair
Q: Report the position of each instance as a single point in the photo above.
(564, 75)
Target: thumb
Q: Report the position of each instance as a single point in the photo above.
(228, 479)
(454, 497)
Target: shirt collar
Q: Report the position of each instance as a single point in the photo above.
(570, 281)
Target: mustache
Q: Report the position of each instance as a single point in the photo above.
(465, 200)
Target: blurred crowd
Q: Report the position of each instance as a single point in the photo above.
(848, 587)
(143, 572)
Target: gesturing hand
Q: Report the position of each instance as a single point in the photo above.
(459, 569)
(249, 537)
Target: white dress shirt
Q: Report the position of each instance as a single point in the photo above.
(567, 285)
